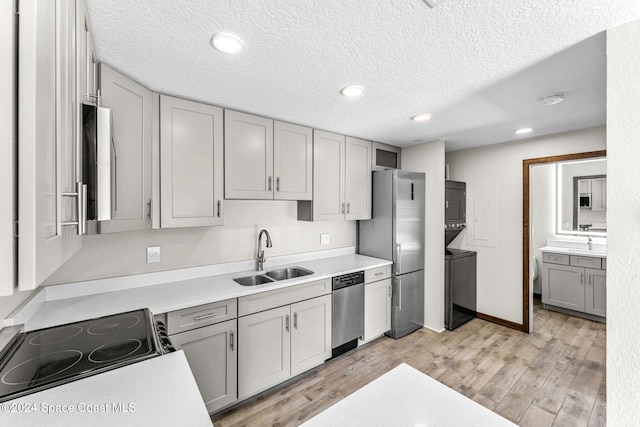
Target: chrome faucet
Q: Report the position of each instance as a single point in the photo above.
(260, 259)
(589, 242)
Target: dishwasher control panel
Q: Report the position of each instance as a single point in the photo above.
(345, 280)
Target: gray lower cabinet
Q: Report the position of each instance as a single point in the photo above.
(574, 282)
(211, 352)
(279, 343)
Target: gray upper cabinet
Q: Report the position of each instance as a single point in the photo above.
(191, 163)
(292, 161)
(341, 179)
(248, 155)
(48, 166)
(132, 109)
(266, 159)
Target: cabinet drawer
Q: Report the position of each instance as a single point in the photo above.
(201, 315)
(586, 261)
(375, 274)
(555, 258)
(279, 297)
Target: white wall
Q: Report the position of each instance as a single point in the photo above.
(543, 213)
(623, 204)
(500, 166)
(429, 158)
(119, 254)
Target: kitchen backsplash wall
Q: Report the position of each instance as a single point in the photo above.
(120, 254)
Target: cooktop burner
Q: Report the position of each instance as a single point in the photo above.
(47, 357)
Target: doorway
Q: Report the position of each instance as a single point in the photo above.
(527, 294)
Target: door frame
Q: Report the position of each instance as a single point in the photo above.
(526, 214)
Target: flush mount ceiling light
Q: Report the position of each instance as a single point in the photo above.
(422, 117)
(352, 90)
(227, 42)
(552, 98)
(523, 130)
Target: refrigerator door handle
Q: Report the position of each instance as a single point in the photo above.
(399, 294)
(398, 257)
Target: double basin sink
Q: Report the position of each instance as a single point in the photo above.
(273, 276)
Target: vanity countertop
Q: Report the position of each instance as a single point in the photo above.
(595, 252)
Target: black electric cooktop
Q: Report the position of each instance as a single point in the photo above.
(49, 357)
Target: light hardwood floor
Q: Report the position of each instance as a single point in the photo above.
(553, 377)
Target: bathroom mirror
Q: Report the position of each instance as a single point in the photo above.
(582, 197)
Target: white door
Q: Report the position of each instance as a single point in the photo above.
(132, 109)
(211, 353)
(264, 350)
(358, 179)
(248, 155)
(292, 162)
(377, 309)
(48, 165)
(310, 333)
(328, 176)
(191, 163)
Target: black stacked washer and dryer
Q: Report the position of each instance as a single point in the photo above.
(460, 265)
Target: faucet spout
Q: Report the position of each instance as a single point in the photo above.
(260, 258)
(589, 242)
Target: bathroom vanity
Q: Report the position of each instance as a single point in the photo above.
(574, 281)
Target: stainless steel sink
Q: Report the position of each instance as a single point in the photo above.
(288, 273)
(252, 280)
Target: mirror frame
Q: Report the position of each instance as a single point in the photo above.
(526, 216)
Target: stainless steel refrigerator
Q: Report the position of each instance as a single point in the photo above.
(396, 233)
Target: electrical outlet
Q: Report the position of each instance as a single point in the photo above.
(325, 239)
(153, 254)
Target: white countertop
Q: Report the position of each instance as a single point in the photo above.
(575, 251)
(405, 396)
(162, 298)
(160, 391)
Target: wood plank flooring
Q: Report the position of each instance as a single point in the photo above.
(553, 377)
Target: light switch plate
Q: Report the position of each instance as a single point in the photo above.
(325, 239)
(153, 254)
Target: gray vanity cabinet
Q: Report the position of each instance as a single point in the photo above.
(574, 282)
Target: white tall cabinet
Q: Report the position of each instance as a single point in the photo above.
(191, 163)
(132, 109)
(49, 164)
(341, 179)
(377, 302)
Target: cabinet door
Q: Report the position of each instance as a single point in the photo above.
(328, 176)
(311, 333)
(358, 179)
(377, 309)
(131, 106)
(596, 292)
(563, 286)
(211, 353)
(86, 58)
(248, 156)
(599, 194)
(48, 165)
(292, 161)
(191, 163)
(8, 134)
(264, 357)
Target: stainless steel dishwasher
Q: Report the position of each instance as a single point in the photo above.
(347, 312)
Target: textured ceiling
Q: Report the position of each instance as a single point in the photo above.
(479, 67)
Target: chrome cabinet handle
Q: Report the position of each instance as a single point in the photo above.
(205, 316)
(389, 290)
(269, 183)
(295, 320)
(348, 207)
(219, 208)
(231, 340)
(81, 208)
(149, 209)
(278, 184)
(287, 322)
(581, 279)
(342, 208)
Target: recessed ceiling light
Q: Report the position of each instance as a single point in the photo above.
(552, 98)
(352, 90)
(422, 117)
(523, 130)
(227, 42)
